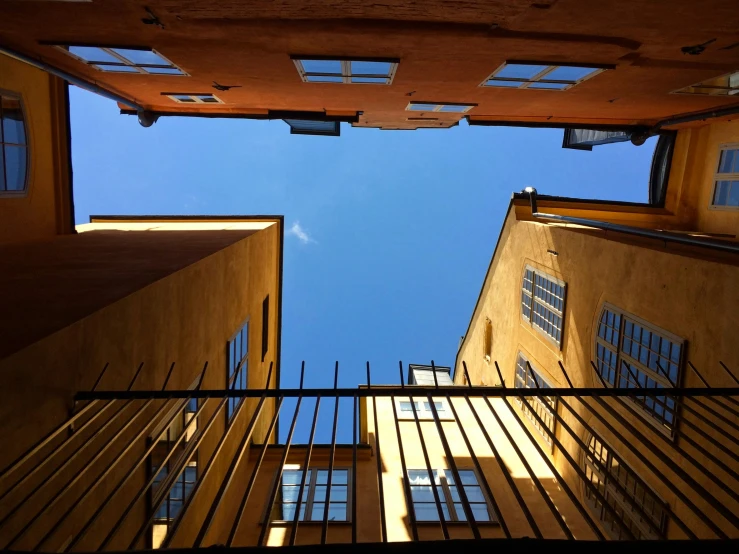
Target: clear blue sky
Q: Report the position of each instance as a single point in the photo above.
(401, 224)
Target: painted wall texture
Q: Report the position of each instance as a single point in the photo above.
(44, 211)
(123, 299)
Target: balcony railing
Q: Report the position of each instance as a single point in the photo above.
(89, 484)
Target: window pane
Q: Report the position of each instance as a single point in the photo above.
(370, 68)
(507, 84)
(515, 71)
(15, 167)
(323, 79)
(337, 511)
(13, 129)
(422, 494)
(208, 99)
(340, 477)
(549, 86)
(183, 98)
(453, 109)
(2, 170)
(421, 477)
(468, 477)
(375, 80)
(721, 196)
(138, 57)
(727, 163)
(293, 476)
(322, 66)
(117, 68)
(474, 494)
(569, 73)
(93, 54)
(480, 511)
(429, 512)
(734, 194)
(163, 70)
(422, 107)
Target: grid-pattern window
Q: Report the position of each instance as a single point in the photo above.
(540, 76)
(13, 145)
(238, 366)
(726, 183)
(437, 107)
(123, 60)
(424, 503)
(355, 72)
(423, 408)
(193, 98)
(545, 406)
(632, 354)
(172, 503)
(542, 303)
(625, 492)
(724, 85)
(313, 500)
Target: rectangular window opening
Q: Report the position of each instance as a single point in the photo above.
(316, 498)
(541, 75)
(319, 69)
(439, 107)
(726, 181)
(237, 359)
(543, 302)
(193, 98)
(527, 377)
(112, 59)
(425, 505)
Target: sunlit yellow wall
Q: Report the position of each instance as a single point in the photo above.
(688, 297)
(44, 211)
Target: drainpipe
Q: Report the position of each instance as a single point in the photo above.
(146, 118)
(664, 236)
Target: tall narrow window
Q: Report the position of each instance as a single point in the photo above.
(171, 505)
(13, 145)
(545, 406)
(640, 510)
(238, 366)
(631, 353)
(425, 507)
(313, 500)
(543, 303)
(488, 344)
(265, 326)
(726, 182)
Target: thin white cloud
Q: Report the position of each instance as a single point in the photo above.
(299, 232)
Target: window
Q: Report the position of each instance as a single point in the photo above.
(726, 183)
(364, 72)
(636, 494)
(631, 353)
(238, 366)
(193, 98)
(543, 302)
(265, 326)
(488, 340)
(544, 406)
(310, 127)
(423, 409)
(540, 76)
(725, 85)
(313, 501)
(124, 60)
(436, 107)
(13, 145)
(170, 507)
(424, 503)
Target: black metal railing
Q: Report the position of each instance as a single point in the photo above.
(99, 465)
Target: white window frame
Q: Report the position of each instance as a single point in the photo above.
(123, 61)
(532, 298)
(423, 411)
(195, 96)
(537, 402)
(309, 494)
(541, 76)
(723, 177)
(346, 69)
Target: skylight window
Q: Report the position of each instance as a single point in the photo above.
(541, 76)
(434, 107)
(123, 60)
(194, 98)
(346, 71)
(725, 85)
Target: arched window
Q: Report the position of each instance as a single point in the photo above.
(642, 513)
(488, 346)
(631, 353)
(13, 145)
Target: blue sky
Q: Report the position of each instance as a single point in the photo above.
(400, 224)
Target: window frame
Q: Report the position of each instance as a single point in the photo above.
(701, 85)
(110, 50)
(242, 364)
(309, 494)
(439, 107)
(445, 495)
(540, 77)
(611, 491)
(195, 96)
(532, 296)
(346, 73)
(650, 373)
(423, 411)
(27, 146)
(166, 497)
(535, 402)
(723, 177)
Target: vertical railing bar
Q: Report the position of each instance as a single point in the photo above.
(504, 469)
(306, 469)
(705, 383)
(52, 501)
(381, 487)
(255, 471)
(537, 483)
(135, 376)
(278, 479)
(227, 480)
(613, 413)
(109, 467)
(354, 470)
(565, 374)
(455, 471)
(130, 472)
(729, 372)
(433, 372)
(646, 462)
(100, 377)
(404, 466)
(500, 375)
(169, 374)
(327, 504)
(429, 469)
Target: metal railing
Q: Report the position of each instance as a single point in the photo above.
(119, 430)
